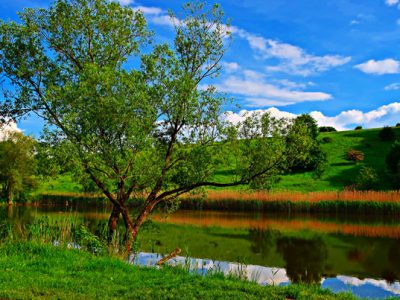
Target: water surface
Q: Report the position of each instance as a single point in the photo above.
(344, 253)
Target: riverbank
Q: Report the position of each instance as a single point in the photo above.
(39, 271)
(368, 202)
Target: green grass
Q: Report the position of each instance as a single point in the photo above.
(339, 172)
(34, 271)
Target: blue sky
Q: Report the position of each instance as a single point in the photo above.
(336, 59)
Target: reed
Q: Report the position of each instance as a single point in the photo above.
(387, 202)
(330, 201)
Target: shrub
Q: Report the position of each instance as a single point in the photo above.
(367, 179)
(327, 139)
(327, 129)
(354, 155)
(387, 134)
(358, 128)
(393, 159)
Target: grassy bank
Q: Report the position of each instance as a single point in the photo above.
(37, 271)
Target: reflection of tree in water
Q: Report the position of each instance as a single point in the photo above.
(393, 274)
(305, 258)
(262, 240)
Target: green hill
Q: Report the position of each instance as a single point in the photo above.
(339, 172)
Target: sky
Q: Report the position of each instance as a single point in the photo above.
(338, 60)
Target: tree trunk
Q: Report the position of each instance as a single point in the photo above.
(113, 222)
(9, 194)
(132, 228)
(142, 217)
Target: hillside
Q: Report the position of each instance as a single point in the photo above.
(339, 172)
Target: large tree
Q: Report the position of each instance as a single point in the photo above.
(153, 127)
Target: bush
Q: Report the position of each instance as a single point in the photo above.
(327, 139)
(358, 128)
(354, 155)
(367, 179)
(387, 134)
(327, 129)
(393, 159)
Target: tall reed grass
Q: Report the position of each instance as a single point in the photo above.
(345, 201)
(375, 202)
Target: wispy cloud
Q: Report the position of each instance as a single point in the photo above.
(392, 2)
(393, 87)
(293, 59)
(380, 67)
(257, 91)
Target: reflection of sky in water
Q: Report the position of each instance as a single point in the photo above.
(274, 276)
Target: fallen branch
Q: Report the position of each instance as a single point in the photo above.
(173, 254)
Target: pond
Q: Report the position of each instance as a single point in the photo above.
(341, 252)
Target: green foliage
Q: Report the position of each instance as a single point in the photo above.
(354, 155)
(89, 241)
(367, 179)
(393, 164)
(327, 129)
(387, 134)
(358, 128)
(17, 166)
(393, 158)
(315, 160)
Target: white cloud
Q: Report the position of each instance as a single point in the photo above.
(230, 66)
(258, 92)
(382, 116)
(391, 2)
(393, 87)
(292, 59)
(235, 118)
(380, 67)
(7, 128)
(383, 284)
(125, 2)
(147, 10)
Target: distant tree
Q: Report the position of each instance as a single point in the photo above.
(387, 134)
(327, 129)
(17, 165)
(358, 128)
(354, 155)
(398, 125)
(316, 158)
